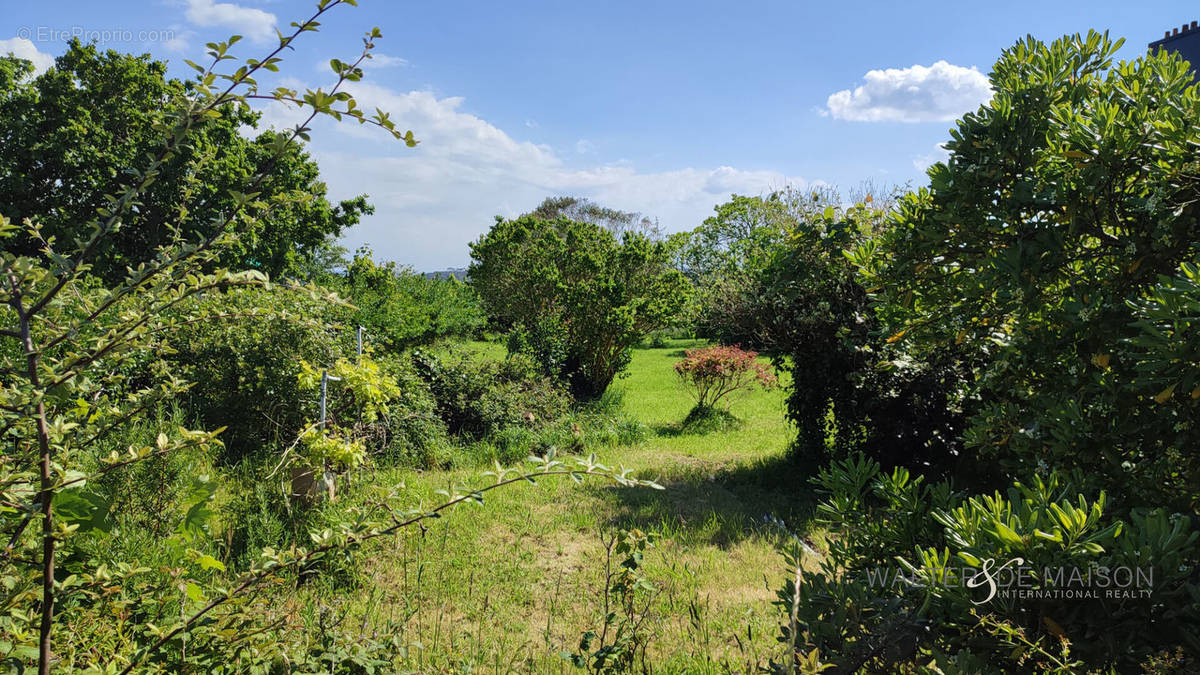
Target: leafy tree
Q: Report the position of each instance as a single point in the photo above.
(854, 386)
(578, 298)
(1046, 245)
(67, 135)
(723, 259)
(738, 237)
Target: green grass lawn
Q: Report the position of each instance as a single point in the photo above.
(506, 586)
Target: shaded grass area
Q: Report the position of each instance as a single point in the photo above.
(702, 420)
(506, 586)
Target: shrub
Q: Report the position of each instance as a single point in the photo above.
(702, 420)
(416, 434)
(245, 364)
(1065, 200)
(658, 339)
(258, 371)
(376, 407)
(148, 496)
(582, 297)
(905, 577)
(856, 385)
(620, 641)
(477, 398)
(324, 448)
(400, 308)
(718, 373)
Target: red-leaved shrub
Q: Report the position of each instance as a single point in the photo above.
(714, 374)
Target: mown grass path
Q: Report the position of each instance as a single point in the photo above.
(504, 587)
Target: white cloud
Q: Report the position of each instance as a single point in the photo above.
(385, 61)
(255, 24)
(434, 199)
(583, 146)
(23, 48)
(938, 154)
(180, 40)
(376, 62)
(938, 93)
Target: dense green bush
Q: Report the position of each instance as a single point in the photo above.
(855, 386)
(506, 410)
(579, 297)
(149, 497)
(256, 372)
(477, 398)
(375, 407)
(414, 433)
(912, 576)
(400, 308)
(245, 365)
(1047, 246)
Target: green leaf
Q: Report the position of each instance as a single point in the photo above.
(1008, 536)
(82, 508)
(210, 563)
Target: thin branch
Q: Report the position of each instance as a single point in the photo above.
(352, 541)
(117, 465)
(122, 202)
(12, 542)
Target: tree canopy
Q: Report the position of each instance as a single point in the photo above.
(578, 297)
(1048, 244)
(586, 211)
(69, 135)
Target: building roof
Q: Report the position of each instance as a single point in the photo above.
(1184, 40)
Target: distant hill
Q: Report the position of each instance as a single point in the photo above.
(459, 273)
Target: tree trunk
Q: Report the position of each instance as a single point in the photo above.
(47, 500)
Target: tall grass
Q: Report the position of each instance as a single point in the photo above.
(509, 585)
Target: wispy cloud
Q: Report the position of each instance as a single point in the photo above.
(180, 40)
(938, 154)
(385, 61)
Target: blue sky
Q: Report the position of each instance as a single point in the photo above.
(665, 108)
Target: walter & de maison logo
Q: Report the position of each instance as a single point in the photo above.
(1014, 579)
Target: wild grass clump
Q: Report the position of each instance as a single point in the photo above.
(705, 419)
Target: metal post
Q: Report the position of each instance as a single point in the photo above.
(324, 392)
(325, 379)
